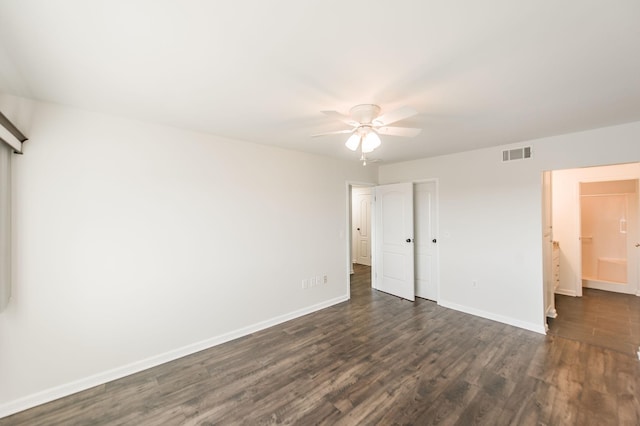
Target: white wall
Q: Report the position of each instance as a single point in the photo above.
(566, 215)
(490, 218)
(137, 243)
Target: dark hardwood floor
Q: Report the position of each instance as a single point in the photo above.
(373, 360)
(602, 318)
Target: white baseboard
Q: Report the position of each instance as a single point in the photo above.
(538, 328)
(565, 292)
(67, 389)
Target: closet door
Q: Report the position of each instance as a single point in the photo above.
(394, 264)
(426, 260)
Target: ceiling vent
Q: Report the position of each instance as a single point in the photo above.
(516, 154)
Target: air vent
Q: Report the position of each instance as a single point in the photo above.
(516, 154)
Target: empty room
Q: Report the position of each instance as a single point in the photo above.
(316, 212)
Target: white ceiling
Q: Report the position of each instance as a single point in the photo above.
(481, 73)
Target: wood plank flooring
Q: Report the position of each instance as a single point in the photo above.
(602, 318)
(373, 360)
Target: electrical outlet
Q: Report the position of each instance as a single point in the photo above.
(474, 284)
(326, 280)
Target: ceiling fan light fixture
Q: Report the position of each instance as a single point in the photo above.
(353, 142)
(370, 142)
(368, 124)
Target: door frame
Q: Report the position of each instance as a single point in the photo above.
(548, 279)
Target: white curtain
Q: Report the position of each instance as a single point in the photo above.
(5, 224)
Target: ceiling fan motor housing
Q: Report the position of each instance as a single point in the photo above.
(365, 113)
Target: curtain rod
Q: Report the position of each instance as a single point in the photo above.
(6, 124)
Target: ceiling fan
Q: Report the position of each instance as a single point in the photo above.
(368, 124)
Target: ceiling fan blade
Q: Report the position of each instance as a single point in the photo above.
(341, 117)
(408, 132)
(338, 132)
(395, 115)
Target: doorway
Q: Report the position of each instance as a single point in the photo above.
(591, 259)
(360, 241)
(365, 226)
(361, 197)
(606, 237)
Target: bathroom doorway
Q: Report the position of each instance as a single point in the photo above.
(595, 229)
(596, 249)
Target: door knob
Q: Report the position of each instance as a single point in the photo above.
(637, 244)
(358, 229)
(408, 240)
(434, 241)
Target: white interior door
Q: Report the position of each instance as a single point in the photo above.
(424, 203)
(362, 226)
(394, 271)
